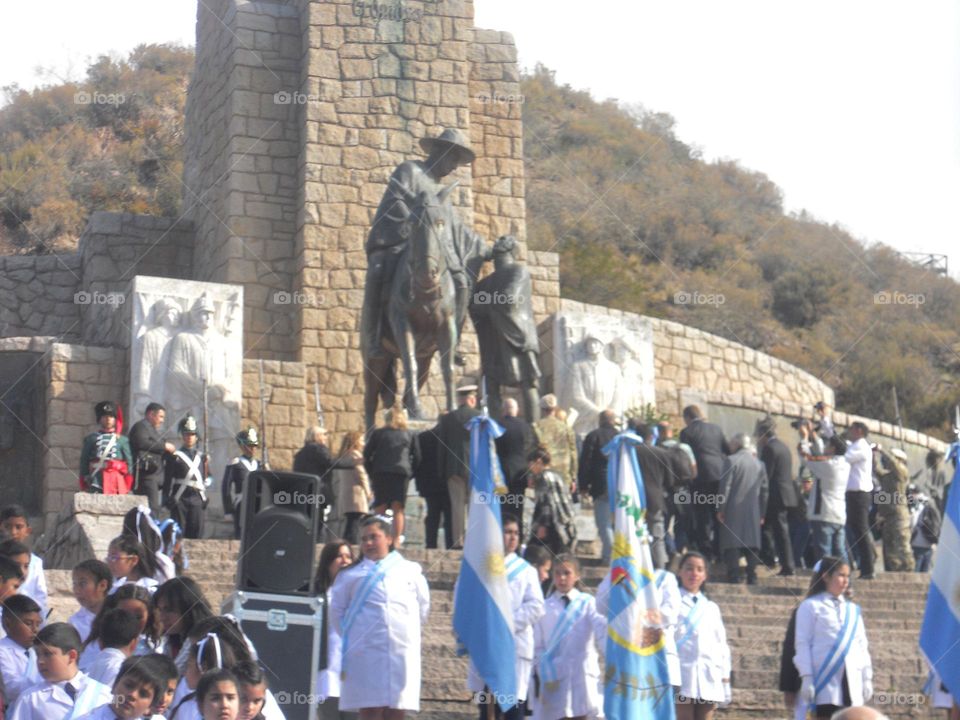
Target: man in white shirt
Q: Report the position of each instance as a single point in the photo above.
(826, 505)
(859, 496)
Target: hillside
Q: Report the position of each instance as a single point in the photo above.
(641, 223)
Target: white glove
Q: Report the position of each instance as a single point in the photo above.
(867, 688)
(807, 694)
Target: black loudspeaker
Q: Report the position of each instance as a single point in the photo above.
(279, 532)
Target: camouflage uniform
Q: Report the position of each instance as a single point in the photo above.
(561, 443)
(893, 508)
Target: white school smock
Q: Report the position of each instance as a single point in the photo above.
(35, 585)
(526, 601)
(82, 620)
(49, 701)
(166, 568)
(18, 666)
(106, 666)
(381, 663)
(705, 654)
(819, 619)
(575, 659)
(328, 679)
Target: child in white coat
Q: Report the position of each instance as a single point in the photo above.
(377, 607)
(566, 638)
(702, 647)
(832, 655)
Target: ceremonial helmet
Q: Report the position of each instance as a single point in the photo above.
(248, 437)
(187, 426)
(107, 407)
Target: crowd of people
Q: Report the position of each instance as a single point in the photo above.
(145, 642)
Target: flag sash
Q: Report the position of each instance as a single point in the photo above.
(841, 646)
(379, 572)
(692, 621)
(516, 566)
(571, 613)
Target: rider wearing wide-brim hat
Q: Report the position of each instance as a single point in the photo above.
(389, 234)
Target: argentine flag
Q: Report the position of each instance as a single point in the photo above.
(635, 683)
(482, 616)
(940, 634)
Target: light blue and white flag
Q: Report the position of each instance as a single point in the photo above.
(636, 681)
(940, 634)
(482, 615)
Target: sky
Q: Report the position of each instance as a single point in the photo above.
(852, 108)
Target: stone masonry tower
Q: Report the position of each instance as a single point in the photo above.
(298, 113)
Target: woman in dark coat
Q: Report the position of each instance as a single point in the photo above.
(390, 456)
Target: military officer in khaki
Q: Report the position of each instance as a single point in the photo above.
(892, 507)
(559, 439)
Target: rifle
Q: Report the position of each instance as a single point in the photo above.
(316, 399)
(205, 447)
(896, 412)
(264, 454)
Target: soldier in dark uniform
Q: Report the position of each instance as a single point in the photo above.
(106, 460)
(235, 475)
(185, 482)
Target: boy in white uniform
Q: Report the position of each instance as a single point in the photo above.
(64, 689)
(378, 606)
(15, 525)
(526, 599)
(18, 660)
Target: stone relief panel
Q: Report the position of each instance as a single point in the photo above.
(187, 335)
(602, 362)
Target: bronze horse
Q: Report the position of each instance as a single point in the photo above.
(420, 315)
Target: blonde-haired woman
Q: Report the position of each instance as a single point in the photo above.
(390, 456)
(352, 486)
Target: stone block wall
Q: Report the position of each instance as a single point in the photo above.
(113, 249)
(287, 409)
(37, 296)
(79, 377)
(545, 273)
(243, 121)
(374, 86)
(496, 132)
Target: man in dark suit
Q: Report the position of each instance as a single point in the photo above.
(513, 447)
(654, 465)
(149, 447)
(592, 478)
(710, 449)
(455, 457)
(433, 489)
(783, 494)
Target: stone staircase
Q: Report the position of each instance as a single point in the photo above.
(755, 618)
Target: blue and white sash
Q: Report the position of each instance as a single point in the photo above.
(379, 572)
(692, 620)
(571, 613)
(833, 663)
(515, 566)
(661, 576)
(93, 695)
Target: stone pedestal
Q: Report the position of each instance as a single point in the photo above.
(84, 529)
